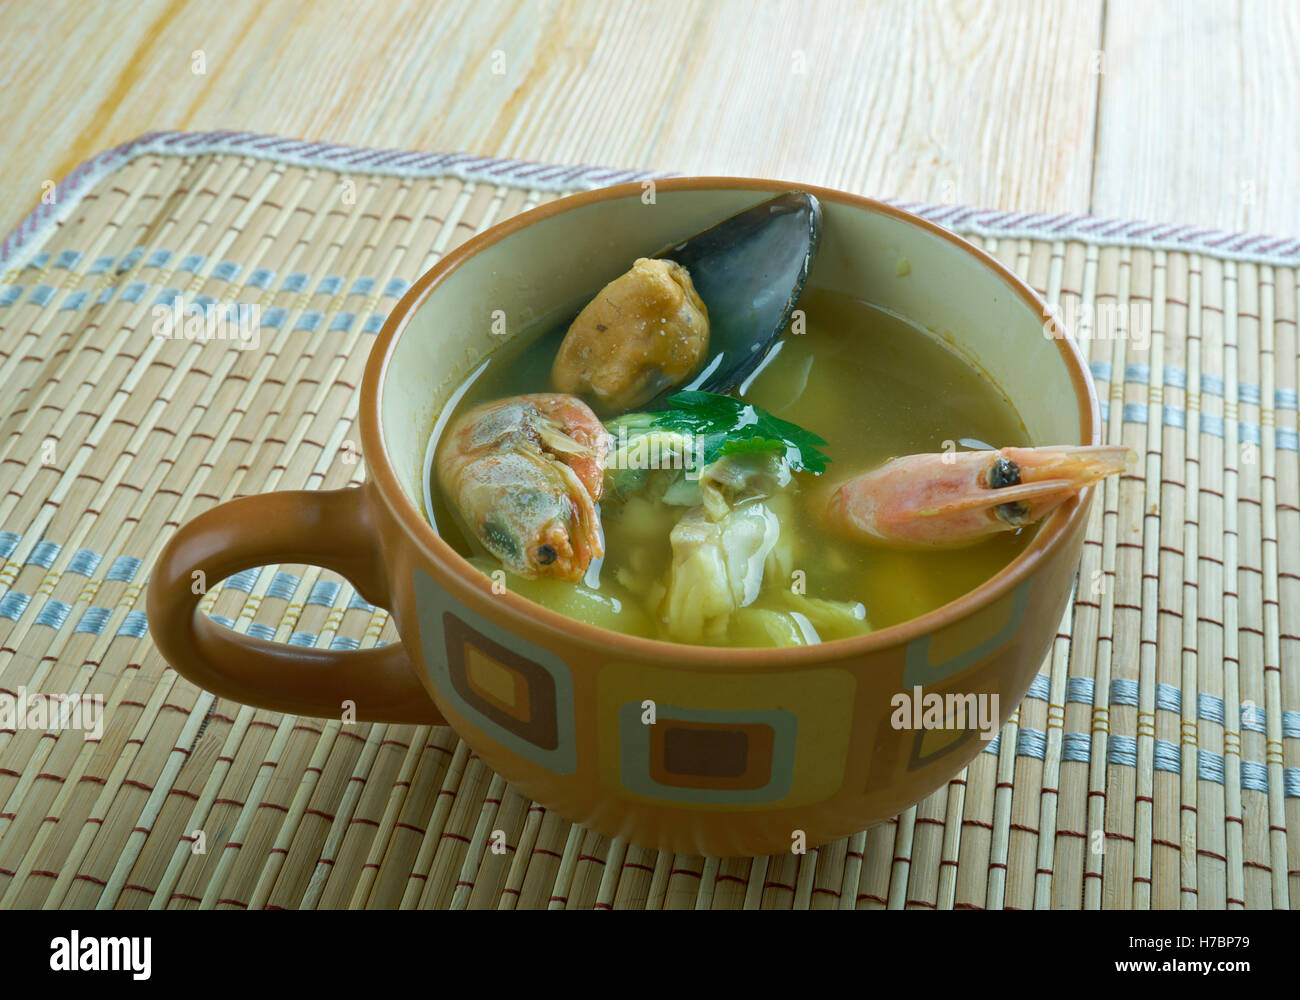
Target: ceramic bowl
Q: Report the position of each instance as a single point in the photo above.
(752, 750)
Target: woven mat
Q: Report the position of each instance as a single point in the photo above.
(1155, 762)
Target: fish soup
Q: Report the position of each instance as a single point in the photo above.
(742, 552)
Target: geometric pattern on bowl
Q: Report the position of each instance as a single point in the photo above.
(708, 756)
(932, 744)
(519, 694)
(936, 657)
(732, 740)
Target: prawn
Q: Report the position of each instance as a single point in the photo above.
(954, 499)
(525, 474)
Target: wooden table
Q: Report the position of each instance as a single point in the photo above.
(1183, 111)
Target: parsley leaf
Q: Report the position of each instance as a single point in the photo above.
(737, 446)
(730, 426)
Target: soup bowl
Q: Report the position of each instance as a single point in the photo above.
(703, 750)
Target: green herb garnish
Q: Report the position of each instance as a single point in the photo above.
(724, 425)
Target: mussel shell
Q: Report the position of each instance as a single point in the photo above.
(750, 270)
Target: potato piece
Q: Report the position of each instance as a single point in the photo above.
(763, 627)
(645, 331)
(612, 607)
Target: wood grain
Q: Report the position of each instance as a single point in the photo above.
(944, 101)
(1200, 115)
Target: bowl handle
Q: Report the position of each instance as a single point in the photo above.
(323, 528)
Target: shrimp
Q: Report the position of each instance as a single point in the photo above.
(955, 499)
(524, 474)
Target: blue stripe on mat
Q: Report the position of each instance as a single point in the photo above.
(1248, 393)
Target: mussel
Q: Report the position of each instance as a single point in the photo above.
(702, 313)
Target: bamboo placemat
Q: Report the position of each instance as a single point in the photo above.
(1155, 762)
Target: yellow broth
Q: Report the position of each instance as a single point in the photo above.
(870, 383)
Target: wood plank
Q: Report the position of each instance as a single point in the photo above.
(1200, 104)
(944, 101)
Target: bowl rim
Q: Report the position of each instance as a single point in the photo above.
(469, 585)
